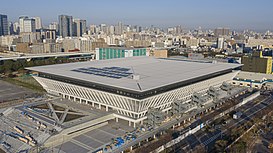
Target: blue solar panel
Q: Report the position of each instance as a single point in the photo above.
(111, 72)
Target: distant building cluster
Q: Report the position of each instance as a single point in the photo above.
(29, 35)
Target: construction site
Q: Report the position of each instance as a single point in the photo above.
(55, 124)
(21, 131)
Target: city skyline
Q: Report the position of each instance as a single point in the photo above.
(189, 14)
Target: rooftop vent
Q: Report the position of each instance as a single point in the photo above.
(136, 77)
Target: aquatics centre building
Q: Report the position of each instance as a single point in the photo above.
(130, 86)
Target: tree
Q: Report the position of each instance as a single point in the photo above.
(1, 68)
(239, 147)
(8, 66)
(30, 63)
(199, 149)
(220, 145)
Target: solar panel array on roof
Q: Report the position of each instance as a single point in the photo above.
(111, 72)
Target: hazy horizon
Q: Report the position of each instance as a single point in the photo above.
(237, 15)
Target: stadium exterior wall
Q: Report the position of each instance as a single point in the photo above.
(132, 110)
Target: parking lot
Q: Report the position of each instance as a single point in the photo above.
(95, 139)
(11, 92)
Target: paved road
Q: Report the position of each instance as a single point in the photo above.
(250, 112)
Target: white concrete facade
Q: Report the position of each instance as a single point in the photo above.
(130, 109)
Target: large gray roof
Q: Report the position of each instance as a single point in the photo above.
(154, 73)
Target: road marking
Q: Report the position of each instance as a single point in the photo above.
(81, 144)
(107, 132)
(212, 139)
(94, 139)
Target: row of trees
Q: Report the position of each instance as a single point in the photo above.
(9, 66)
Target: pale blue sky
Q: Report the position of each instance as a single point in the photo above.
(236, 14)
